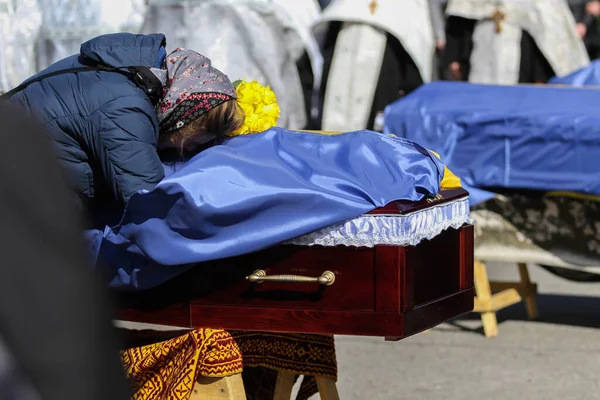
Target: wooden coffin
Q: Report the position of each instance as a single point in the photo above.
(385, 290)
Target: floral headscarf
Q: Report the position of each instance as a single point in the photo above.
(191, 88)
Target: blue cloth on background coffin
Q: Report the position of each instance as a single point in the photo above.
(586, 76)
(533, 137)
(256, 191)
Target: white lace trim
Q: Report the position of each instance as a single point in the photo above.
(398, 230)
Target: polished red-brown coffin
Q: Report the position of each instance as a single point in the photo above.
(386, 291)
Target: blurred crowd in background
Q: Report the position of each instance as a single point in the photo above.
(586, 15)
(325, 59)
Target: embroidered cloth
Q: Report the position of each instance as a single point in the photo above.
(166, 364)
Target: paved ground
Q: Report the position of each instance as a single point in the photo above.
(557, 357)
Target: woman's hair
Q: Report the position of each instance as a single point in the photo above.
(219, 122)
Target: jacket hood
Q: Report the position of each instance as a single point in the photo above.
(126, 49)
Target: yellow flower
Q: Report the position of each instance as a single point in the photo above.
(269, 96)
(260, 125)
(260, 107)
(247, 94)
(255, 86)
(271, 110)
(251, 121)
(248, 108)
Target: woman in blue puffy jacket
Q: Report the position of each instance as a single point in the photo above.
(109, 133)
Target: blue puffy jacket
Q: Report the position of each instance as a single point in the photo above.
(104, 126)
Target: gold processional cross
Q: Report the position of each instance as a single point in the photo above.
(373, 6)
(498, 16)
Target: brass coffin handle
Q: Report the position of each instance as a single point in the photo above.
(260, 276)
(437, 197)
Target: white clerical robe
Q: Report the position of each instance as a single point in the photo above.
(20, 23)
(496, 56)
(359, 52)
(69, 23)
(247, 39)
(302, 14)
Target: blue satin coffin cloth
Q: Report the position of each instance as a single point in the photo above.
(519, 137)
(256, 191)
(586, 76)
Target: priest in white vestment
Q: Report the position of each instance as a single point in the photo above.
(512, 41)
(69, 23)
(374, 52)
(264, 40)
(20, 23)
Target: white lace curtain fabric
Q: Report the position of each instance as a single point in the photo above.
(20, 23)
(246, 39)
(68, 23)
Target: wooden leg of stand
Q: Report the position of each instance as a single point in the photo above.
(490, 324)
(327, 388)
(227, 388)
(531, 294)
(284, 386)
(484, 300)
